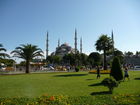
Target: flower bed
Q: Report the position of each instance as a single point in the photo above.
(101, 71)
(122, 99)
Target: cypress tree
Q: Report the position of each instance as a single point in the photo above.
(116, 70)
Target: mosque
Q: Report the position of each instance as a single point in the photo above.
(65, 48)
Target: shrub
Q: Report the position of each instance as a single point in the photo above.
(110, 83)
(77, 69)
(116, 71)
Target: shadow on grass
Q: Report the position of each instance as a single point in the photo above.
(137, 78)
(89, 79)
(70, 75)
(101, 93)
(96, 84)
(6, 74)
(23, 73)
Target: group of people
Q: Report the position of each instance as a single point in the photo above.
(126, 75)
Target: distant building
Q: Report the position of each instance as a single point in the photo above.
(63, 50)
(132, 60)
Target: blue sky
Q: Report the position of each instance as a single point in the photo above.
(27, 21)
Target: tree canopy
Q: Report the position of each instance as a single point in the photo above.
(94, 58)
(2, 52)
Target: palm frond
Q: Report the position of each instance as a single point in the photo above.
(4, 55)
(27, 52)
(2, 49)
(1, 45)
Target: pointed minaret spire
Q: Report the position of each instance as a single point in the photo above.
(75, 41)
(58, 42)
(81, 45)
(112, 35)
(47, 45)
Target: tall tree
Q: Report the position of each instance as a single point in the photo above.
(27, 52)
(116, 53)
(137, 53)
(129, 54)
(50, 59)
(2, 52)
(94, 58)
(69, 59)
(104, 43)
(120, 55)
(56, 59)
(83, 59)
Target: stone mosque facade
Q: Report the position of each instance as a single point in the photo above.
(63, 50)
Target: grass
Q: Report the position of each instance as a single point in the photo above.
(71, 84)
(81, 85)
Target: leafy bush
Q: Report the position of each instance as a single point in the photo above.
(77, 69)
(110, 83)
(116, 71)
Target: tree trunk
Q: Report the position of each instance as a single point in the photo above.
(27, 66)
(111, 90)
(75, 65)
(105, 62)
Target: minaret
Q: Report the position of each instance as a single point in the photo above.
(112, 35)
(47, 45)
(58, 42)
(81, 45)
(75, 41)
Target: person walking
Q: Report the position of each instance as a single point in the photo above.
(126, 75)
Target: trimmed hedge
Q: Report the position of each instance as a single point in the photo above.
(116, 71)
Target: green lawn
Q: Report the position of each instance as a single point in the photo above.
(69, 84)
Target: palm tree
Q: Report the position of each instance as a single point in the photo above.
(2, 54)
(27, 52)
(104, 43)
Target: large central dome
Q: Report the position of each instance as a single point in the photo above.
(63, 50)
